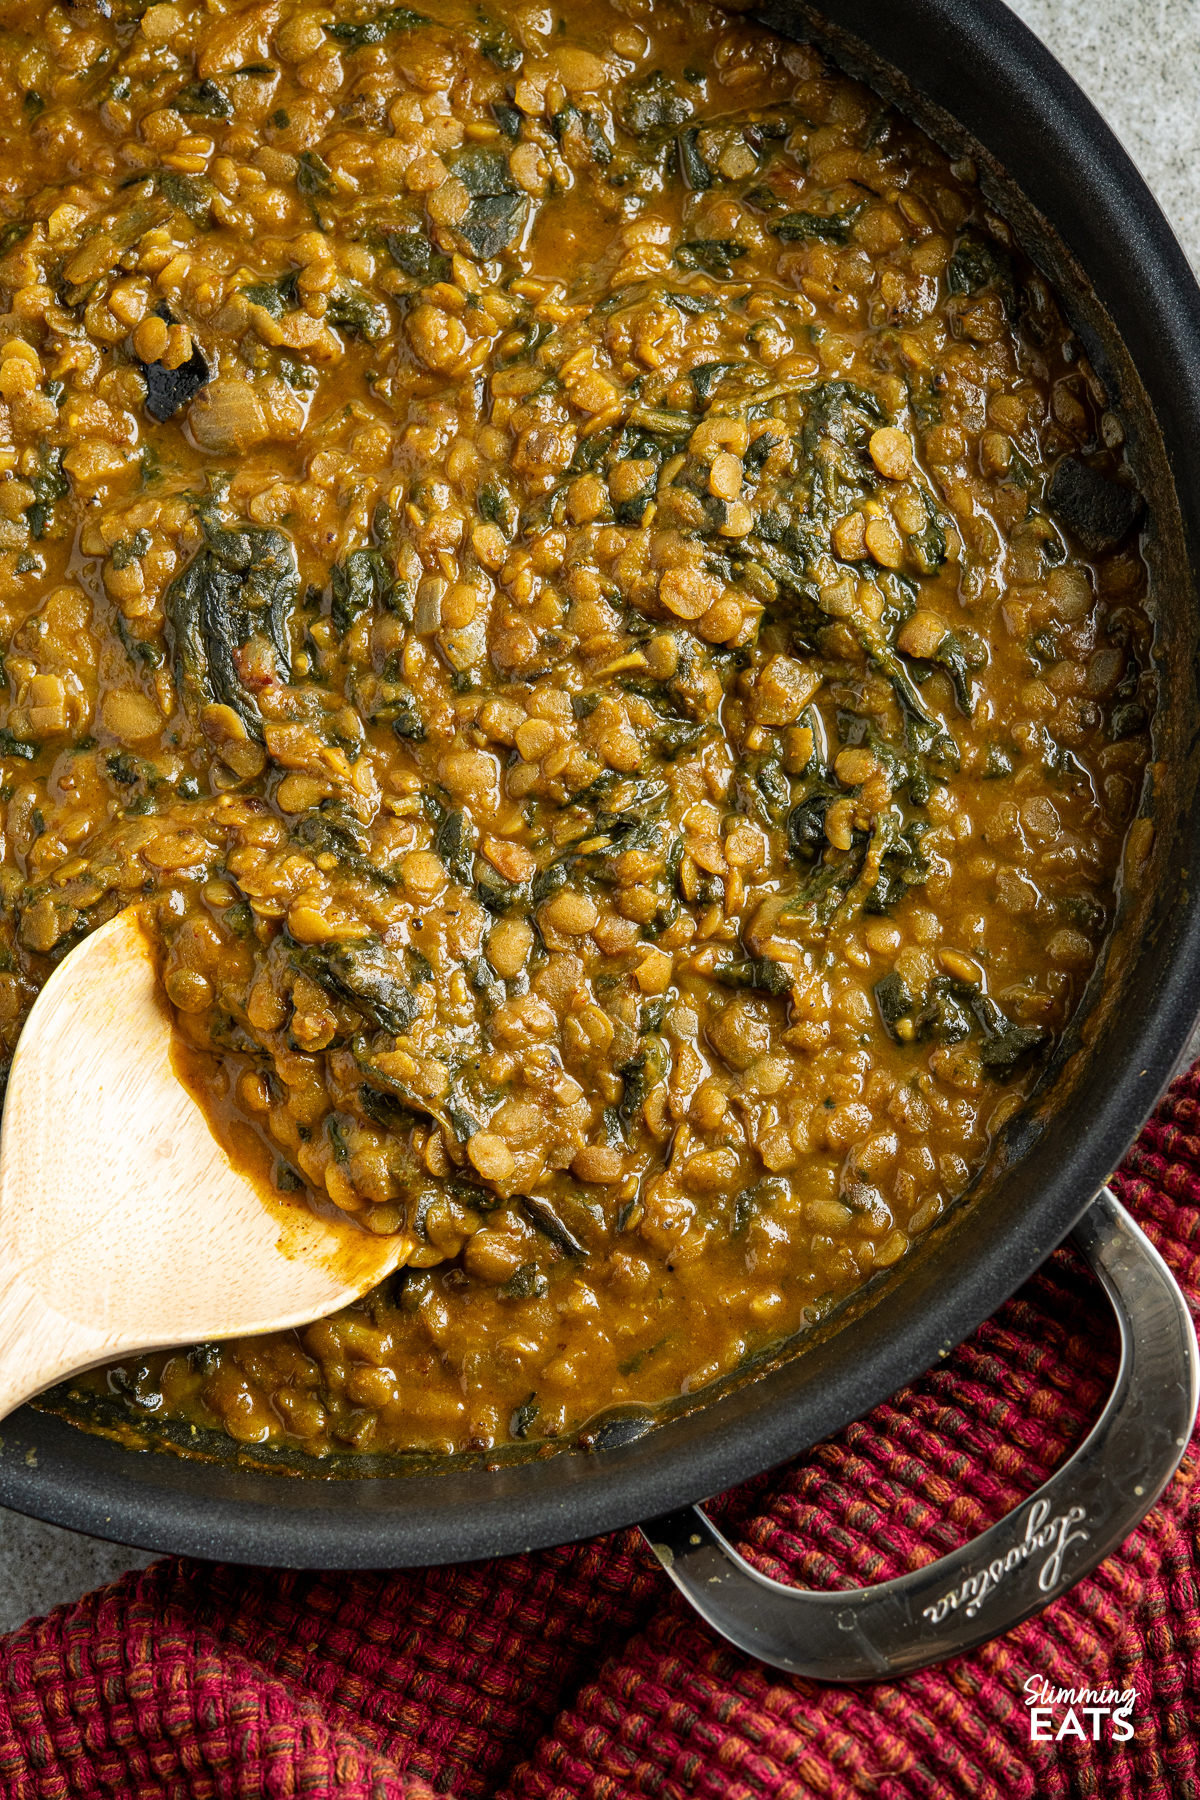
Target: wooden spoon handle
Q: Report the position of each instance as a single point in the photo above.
(38, 1346)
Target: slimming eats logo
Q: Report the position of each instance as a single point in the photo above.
(1042, 1533)
(1096, 1705)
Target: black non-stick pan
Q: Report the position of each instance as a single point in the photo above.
(971, 74)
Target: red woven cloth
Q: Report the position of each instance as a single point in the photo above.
(576, 1674)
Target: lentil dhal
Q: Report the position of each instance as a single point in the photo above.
(573, 567)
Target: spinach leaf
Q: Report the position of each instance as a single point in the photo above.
(585, 128)
(758, 452)
(692, 166)
(15, 746)
(49, 484)
(356, 34)
(297, 374)
(652, 104)
(690, 303)
(453, 843)
(1004, 1044)
(385, 1110)
(498, 44)
(497, 207)
(495, 504)
(204, 98)
(138, 649)
(528, 1283)
(491, 223)
(978, 264)
(827, 885)
(761, 973)
(598, 144)
(661, 421)
(641, 1075)
(351, 308)
(334, 829)
(893, 1000)
(413, 252)
(901, 868)
(364, 579)
(960, 653)
(806, 828)
(127, 550)
(832, 228)
(706, 378)
(275, 297)
(715, 256)
(484, 172)
(313, 174)
(407, 721)
(192, 194)
(523, 1418)
(498, 895)
(673, 736)
(774, 786)
(551, 1225)
(366, 975)
(239, 583)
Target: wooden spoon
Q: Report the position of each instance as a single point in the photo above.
(124, 1225)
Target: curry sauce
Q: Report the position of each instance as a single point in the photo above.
(588, 587)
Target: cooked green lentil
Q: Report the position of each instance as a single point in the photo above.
(577, 570)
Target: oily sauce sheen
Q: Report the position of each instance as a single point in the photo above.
(590, 591)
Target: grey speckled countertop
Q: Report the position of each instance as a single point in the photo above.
(1139, 60)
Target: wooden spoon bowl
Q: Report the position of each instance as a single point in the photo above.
(124, 1226)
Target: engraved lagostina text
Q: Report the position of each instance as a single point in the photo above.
(1042, 1534)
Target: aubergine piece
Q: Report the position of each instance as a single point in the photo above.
(240, 584)
(1100, 512)
(169, 389)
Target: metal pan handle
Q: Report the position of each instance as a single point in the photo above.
(1088, 1507)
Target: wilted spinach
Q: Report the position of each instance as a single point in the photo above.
(241, 583)
(364, 579)
(366, 975)
(205, 99)
(831, 228)
(653, 103)
(357, 33)
(412, 252)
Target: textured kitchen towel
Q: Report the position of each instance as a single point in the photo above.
(577, 1675)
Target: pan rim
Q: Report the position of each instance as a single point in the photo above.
(1084, 183)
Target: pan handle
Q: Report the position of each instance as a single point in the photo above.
(1086, 1508)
